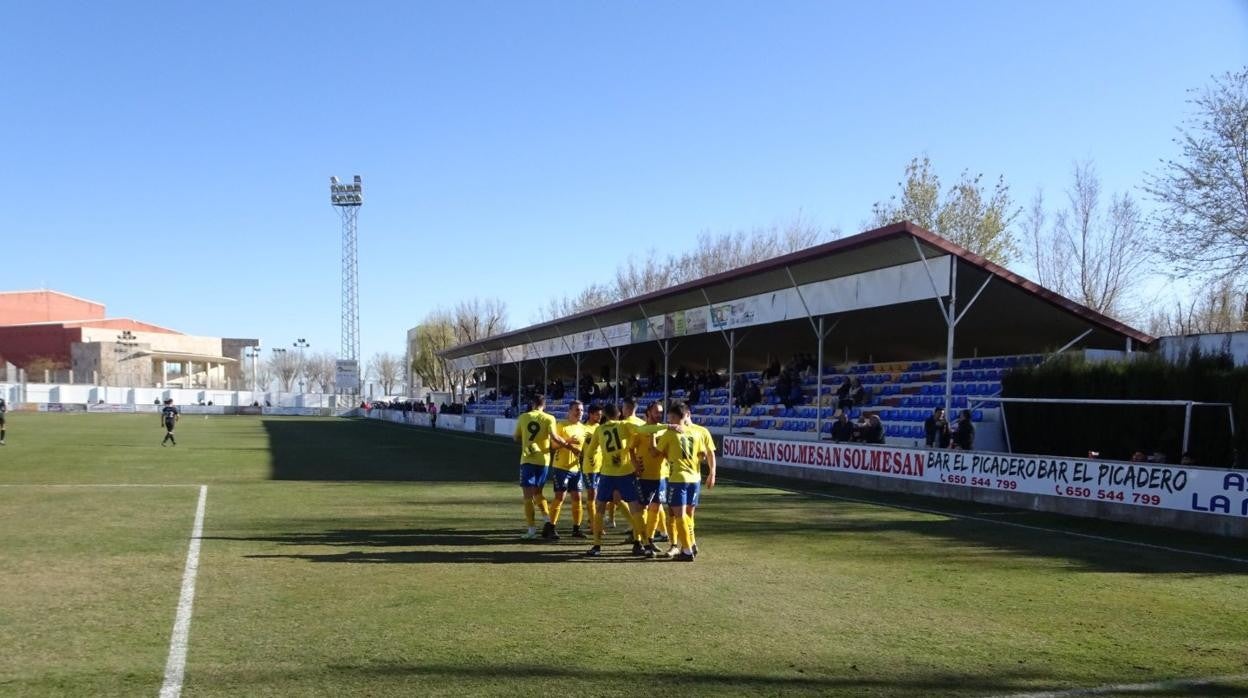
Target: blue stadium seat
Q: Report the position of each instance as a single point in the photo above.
(977, 415)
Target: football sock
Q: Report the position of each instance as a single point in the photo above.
(693, 537)
(639, 525)
(597, 526)
(556, 507)
(578, 513)
(682, 530)
(661, 518)
(543, 505)
(528, 512)
(652, 525)
(671, 529)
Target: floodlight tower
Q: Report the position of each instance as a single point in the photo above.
(348, 198)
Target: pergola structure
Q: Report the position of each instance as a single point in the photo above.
(897, 293)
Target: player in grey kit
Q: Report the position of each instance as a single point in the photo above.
(169, 417)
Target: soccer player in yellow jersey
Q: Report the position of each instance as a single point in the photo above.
(591, 460)
(684, 451)
(567, 471)
(628, 414)
(535, 432)
(617, 479)
(708, 455)
(651, 475)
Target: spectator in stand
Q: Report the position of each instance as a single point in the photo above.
(964, 437)
(857, 393)
(936, 429)
(755, 394)
(842, 430)
(858, 430)
(842, 395)
(873, 431)
(433, 415)
(472, 399)
(796, 396)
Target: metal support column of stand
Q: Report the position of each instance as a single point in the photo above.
(576, 359)
(950, 314)
(730, 337)
(519, 385)
(667, 349)
(616, 352)
(820, 336)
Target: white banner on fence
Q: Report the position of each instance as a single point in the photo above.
(291, 411)
(1146, 485)
(202, 409)
(111, 408)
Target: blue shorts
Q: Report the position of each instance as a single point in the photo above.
(590, 480)
(652, 491)
(533, 475)
(565, 480)
(609, 484)
(682, 494)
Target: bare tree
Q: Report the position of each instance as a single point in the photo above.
(964, 213)
(387, 370)
(263, 374)
(478, 318)
(287, 366)
(713, 253)
(1093, 254)
(434, 335)
(1221, 305)
(474, 320)
(1202, 219)
(320, 369)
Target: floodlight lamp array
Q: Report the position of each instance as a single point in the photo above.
(341, 194)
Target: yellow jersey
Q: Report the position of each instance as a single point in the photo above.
(653, 466)
(613, 438)
(574, 434)
(684, 452)
(591, 459)
(533, 429)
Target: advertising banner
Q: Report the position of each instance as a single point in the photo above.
(347, 375)
(111, 408)
(1146, 485)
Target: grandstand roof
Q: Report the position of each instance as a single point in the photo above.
(1012, 315)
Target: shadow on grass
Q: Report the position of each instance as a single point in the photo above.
(1090, 544)
(472, 674)
(504, 547)
(385, 538)
(531, 553)
(368, 450)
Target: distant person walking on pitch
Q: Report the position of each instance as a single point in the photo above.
(169, 417)
(4, 408)
(433, 415)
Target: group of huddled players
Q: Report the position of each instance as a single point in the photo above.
(648, 470)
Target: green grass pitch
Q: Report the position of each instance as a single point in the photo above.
(343, 557)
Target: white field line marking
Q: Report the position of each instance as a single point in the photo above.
(1132, 687)
(997, 522)
(175, 668)
(90, 484)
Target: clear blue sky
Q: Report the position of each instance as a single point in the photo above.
(171, 159)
